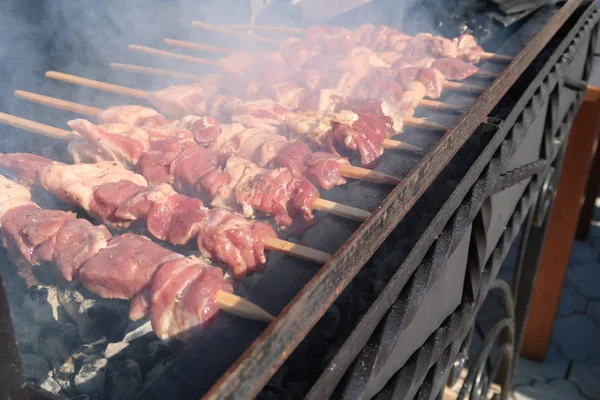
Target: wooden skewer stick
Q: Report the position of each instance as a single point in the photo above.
(241, 307)
(198, 46)
(282, 246)
(170, 54)
(348, 171)
(107, 87)
(228, 50)
(408, 121)
(266, 28)
(156, 71)
(320, 204)
(142, 94)
(464, 87)
(58, 103)
(198, 60)
(230, 28)
(436, 105)
(231, 32)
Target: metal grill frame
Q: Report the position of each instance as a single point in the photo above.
(439, 351)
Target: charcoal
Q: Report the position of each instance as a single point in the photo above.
(91, 378)
(37, 370)
(158, 369)
(54, 350)
(41, 302)
(95, 318)
(125, 380)
(134, 343)
(158, 350)
(71, 337)
(26, 332)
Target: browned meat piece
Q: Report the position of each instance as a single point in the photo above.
(323, 169)
(107, 198)
(178, 101)
(265, 114)
(183, 298)
(155, 165)
(138, 206)
(277, 193)
(125, 267)
(433, 80)
(177, 220)
(128, 115)
(197, 169)
(76, 242)
(23, 167)
(454, 68)
(365, 135)
(206, 130)
(76, 184)
(30, 231)
(125, 146)
(237, 242)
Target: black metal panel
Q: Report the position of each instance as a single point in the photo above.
(398, 317)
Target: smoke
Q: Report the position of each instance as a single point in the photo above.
(82, 37)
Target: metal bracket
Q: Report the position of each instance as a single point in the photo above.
(547, 193)
(519, 174)
(575, 84)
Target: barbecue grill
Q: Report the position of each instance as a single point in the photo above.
(390, 314)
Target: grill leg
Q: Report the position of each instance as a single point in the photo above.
(12, 383)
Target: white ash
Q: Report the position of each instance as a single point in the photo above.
(115, 349)
(64, 375)
(37, 370)
(41, 303)
(91, 378)
(125, 380)
(137, 329)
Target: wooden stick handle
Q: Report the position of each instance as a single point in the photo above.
(496, 57)
(297, 250)
(423, 123)
(463, 87)
(266, 28)
(486, 75)
(170, 54)
(155, 71)
(293, 249)
(231, 32)
(392, 144)
(36, 127)
(241, 307)
(198, 46)
(350, 171)
(436, 105)
(107, 87)
(341, 210)
(58, 103)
